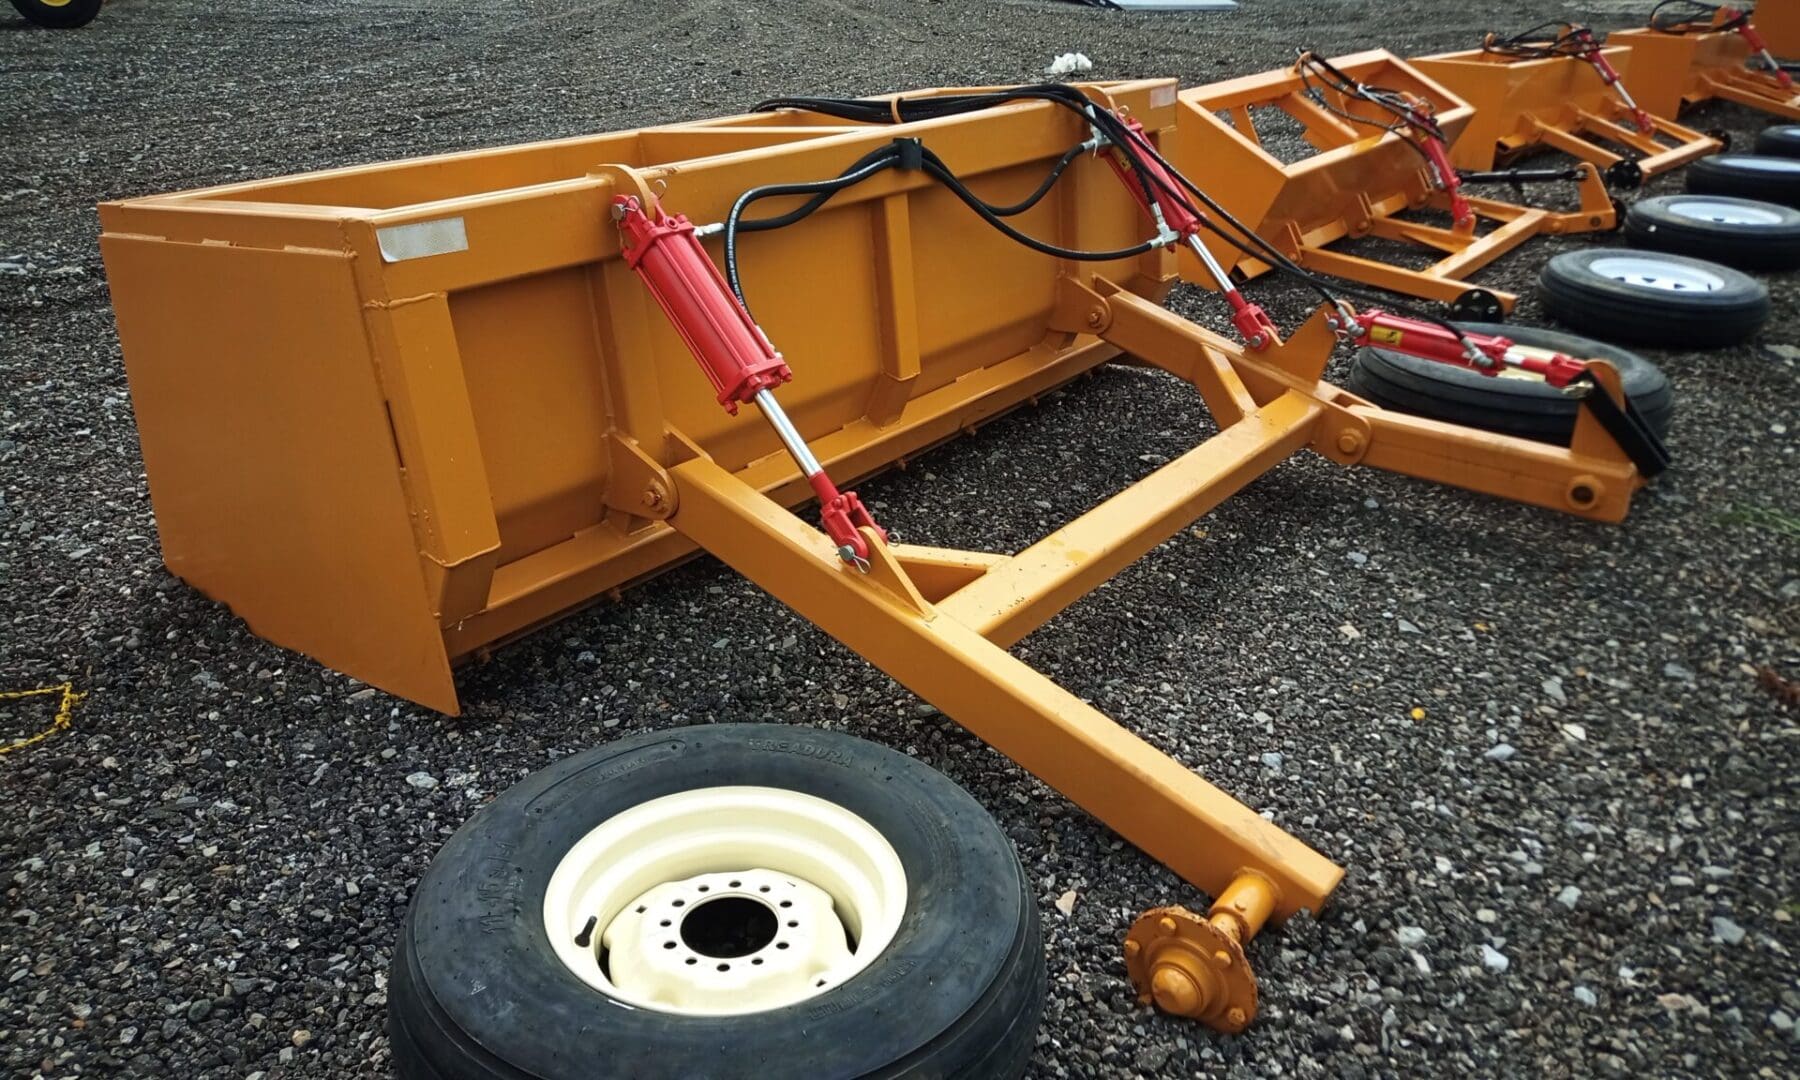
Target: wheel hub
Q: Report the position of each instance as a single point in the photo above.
(720, 942)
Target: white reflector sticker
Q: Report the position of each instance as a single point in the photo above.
(1162, 96)
(422, 238)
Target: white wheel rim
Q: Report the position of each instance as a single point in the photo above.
(1722, 212)
(723, 901)
(1658, 274)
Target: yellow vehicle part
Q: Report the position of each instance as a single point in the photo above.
(396, 414)
(1524, 105)
(1358, 182)
(1672, 70)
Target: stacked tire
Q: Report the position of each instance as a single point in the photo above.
(1653, 298)
(1763, 177)
(1741, 233)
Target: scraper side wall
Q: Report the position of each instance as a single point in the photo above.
(272, 465)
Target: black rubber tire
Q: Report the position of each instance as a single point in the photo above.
(1748, 176)
(1613, 310)
(1770, 243)
(1528, 408)
(1782, 140)
(58, 17)
(475, 992)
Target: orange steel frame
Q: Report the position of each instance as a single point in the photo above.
(1356, 185)
(1669, 71)
(396, 414)
(1778, 21)
(1555, 103)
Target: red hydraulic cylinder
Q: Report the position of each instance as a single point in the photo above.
(1171, 214)
(731, 349)
(1610, 76)
(1491, 353)
(1759, 46)
(1164, 209)
(1461, 213)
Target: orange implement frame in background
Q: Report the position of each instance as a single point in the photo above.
(1358, 183)
(1524, 105)
(1669, 71)
(1778, 21)
(396, 414)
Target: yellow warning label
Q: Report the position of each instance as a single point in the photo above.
(1385, 334)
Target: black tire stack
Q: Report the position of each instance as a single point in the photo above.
(1684, 284)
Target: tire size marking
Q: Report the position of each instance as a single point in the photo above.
(851, 998)
(573, 787)
(500, 888)
(808, 750)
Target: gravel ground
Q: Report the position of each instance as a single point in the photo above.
(1577, 859)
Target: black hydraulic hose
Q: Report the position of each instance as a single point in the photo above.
(1042, 189)
(876, 161)
(821, 190)
(892, 156)
(805, 209)
(1272, 255)
(1566, 41)
(1692, 17)
(1387, 100)
(907, 110)
(937, 170)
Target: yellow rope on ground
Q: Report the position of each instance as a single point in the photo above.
(71, 697)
